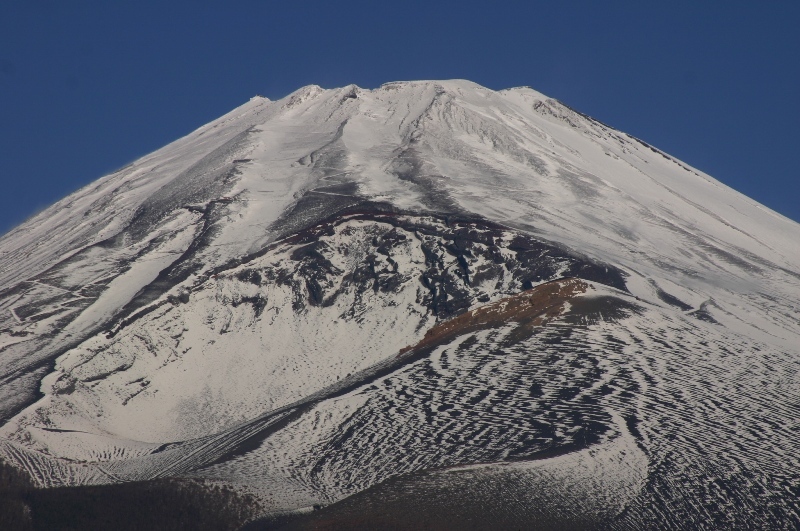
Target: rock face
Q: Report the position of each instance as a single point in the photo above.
(429, 304)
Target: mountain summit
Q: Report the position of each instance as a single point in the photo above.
(428, 304)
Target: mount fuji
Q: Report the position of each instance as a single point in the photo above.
(427, 305)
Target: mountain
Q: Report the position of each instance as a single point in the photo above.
(425, 305)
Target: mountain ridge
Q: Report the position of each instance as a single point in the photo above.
(189, 315)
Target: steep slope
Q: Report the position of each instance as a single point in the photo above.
(349, 291)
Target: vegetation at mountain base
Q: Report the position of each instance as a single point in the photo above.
(152, 505)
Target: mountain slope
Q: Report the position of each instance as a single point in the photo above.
(350, 291)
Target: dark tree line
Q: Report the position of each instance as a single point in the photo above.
(160, 504)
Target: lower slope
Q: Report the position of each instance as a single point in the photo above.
(389, 365)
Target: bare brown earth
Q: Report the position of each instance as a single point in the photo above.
(531, 308)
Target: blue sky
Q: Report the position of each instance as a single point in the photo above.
(86, 87)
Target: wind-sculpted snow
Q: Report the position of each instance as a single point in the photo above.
(313, 309)
(592, 378)
(425, 304)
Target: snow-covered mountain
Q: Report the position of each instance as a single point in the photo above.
(483, 305)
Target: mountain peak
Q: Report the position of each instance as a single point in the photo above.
(430, 286)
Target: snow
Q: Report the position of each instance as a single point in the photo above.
(223, 198)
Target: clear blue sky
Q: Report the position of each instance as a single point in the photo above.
(86, 87)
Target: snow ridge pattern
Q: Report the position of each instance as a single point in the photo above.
(348, 297)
